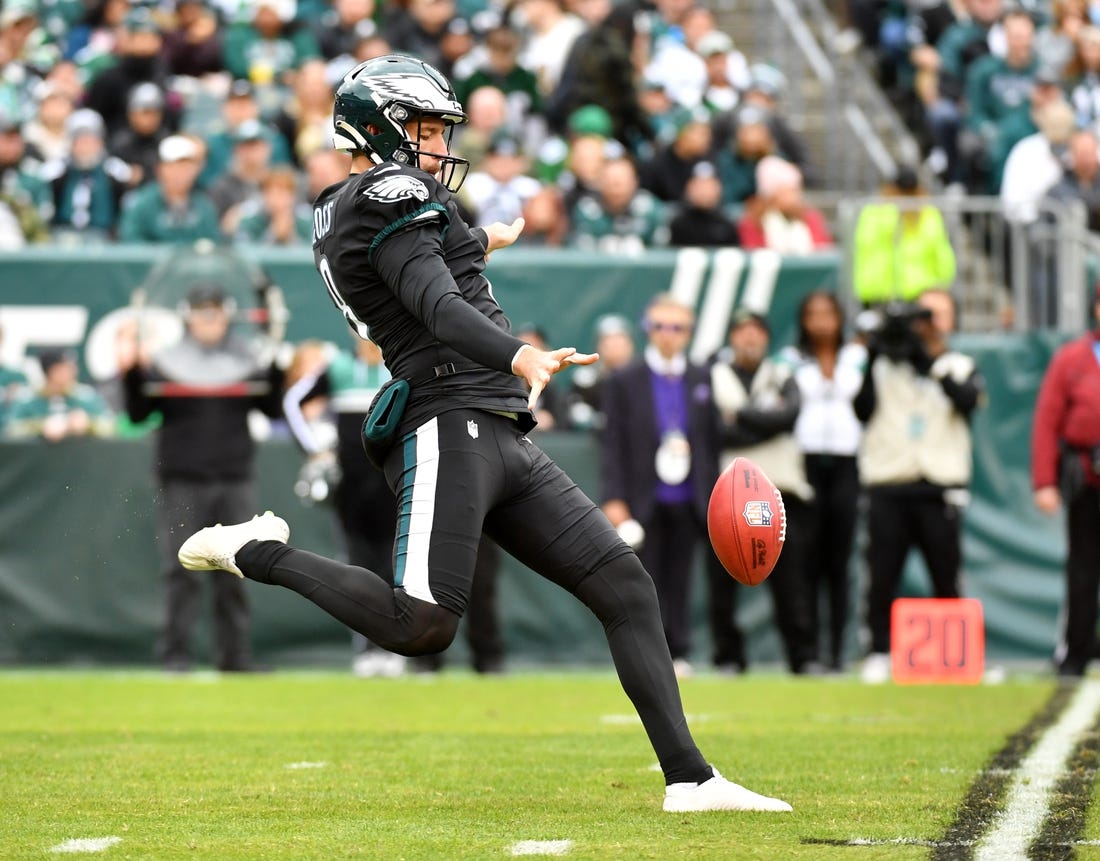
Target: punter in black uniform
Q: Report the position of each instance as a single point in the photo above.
(396, 257)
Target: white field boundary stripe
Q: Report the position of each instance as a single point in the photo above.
(714, 316)
(1028, 800)
(687, 277)
(85, 844)
(541, 847)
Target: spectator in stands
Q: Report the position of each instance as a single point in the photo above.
(600, 71)
(1045, 90)
(27, 56)
(700, 219)
(901, 249)
(171, 209)
(550, 32)
(1037, 162)
(501, 69)
(915, 403)
(276, 216)
(1056, 41)
(1064, 444)
(46, 133)
(240, 106)
(615, 344)
(324, 168)
(671, 61)
(138, 59)
(342, 26)
(765, 91)
(500, 187)
(667, 171)
(91, 41)
(136, 144)
(61, 407)
(487, 114)
(829, 373)
(547, 221)
(737, 163)
(778, 217)
(241, 180)
(998, 87)
(268, 48)
(620, 217)
(194, 46)
(87, 186)
(306, 120)
(1081, 180)
(941, 79)
(419, 28)
(659, 461)
(759, 402)
(727, 72)
(1084, 85)
(660, 110)
(26, 206)
(572, 161)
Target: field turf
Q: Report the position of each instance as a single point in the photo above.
(321, 765)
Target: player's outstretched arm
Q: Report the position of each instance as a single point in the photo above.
(536, 367)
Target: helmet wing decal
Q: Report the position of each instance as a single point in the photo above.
(414, 91)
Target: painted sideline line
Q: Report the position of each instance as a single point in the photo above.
(86, 844)
(1019, 822)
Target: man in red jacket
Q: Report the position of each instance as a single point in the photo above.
(1065, 458)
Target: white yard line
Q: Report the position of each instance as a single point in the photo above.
(541, 847)
(86, 844)
(1028, 799)
(295, 766)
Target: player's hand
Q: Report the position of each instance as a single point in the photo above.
(1048, 500)
(501, 235)
(536, 367)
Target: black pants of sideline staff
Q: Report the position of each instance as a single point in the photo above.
(1077, 643)
(899, 518)
(183, 508)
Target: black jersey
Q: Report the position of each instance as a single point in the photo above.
(399, 261)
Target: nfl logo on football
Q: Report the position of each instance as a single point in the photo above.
(758, 513)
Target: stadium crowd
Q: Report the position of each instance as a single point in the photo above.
(607, 125)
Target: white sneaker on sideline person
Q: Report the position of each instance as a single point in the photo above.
(718, 794)
(876, 669)
(213, 548)
(683, 668)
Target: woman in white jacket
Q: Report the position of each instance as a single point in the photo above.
(829, 373)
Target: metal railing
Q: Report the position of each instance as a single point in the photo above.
(1010, 273)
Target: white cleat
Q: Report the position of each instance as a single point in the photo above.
(718, 794)
(214, 548)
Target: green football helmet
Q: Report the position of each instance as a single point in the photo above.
(377, 99)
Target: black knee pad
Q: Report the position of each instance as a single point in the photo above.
(618, 589)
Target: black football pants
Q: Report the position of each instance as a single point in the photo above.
(468, 471)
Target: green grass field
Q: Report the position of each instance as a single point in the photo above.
(326, 766)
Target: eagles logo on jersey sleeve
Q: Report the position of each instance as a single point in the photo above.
(395, 198)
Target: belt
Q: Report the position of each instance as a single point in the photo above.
(447, 369)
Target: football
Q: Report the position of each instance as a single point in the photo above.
(746, 522)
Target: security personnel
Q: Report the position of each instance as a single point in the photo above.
(915, 457)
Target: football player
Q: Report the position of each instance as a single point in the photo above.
(399, 262)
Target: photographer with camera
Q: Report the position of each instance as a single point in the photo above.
(1065, 469)
(915, 457)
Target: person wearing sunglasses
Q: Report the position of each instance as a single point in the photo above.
(659, 461)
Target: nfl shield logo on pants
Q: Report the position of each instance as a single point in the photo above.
(471, 427)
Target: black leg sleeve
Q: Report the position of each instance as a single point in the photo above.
(624, 599)
(355, 596)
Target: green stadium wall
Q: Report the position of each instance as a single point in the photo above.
(79, 581)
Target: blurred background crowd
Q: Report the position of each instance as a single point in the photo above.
(607, 125)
